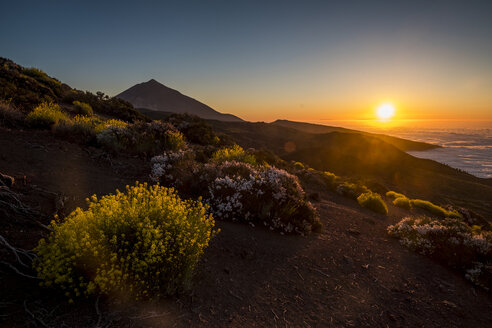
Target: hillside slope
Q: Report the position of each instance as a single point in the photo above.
(26, 87)
(367, 157)
(350, 275)
(400, 143)
(156, 96)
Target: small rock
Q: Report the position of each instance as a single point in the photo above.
(353, 232)
(450, 304)
(348, 260)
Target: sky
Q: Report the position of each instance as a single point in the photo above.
(307, 60)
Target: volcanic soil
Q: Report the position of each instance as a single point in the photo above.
(350, 275)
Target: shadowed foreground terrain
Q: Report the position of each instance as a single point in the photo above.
(350, 275)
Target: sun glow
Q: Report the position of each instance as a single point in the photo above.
(385, 111)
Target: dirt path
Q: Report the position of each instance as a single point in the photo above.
(351, 275)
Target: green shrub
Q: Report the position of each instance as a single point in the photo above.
(402, 202)
(114, 123)
(351, 190)
(82, 129)
(450, 241)
(234, 153)
(114, 107)
(82, 108)
(298, 166)
(140, 138)
(330, 179)
(46, 115)
(10, 115)
(434, 209)
(144, 243)
(373, 201)
(394, 195)
(40, 76)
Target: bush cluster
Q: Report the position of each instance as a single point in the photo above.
(403, 202)
(394, 195)
(105, 105)
(373, 201)
(141, 138)
(435, 209)
(399, 200)
(41, 76)
(234, 153)
(351, 190)
(84, 129)
(451, 241)
(9, 115)
(299, 166)
(330, 180)
(144, 243)
(82, 108)
(174, 168)
(196, 130)
(258, 195)
(239, 191)
(46, 115)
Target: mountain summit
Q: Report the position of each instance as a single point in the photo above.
(156, 96)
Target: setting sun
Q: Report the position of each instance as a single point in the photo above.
(385, 111)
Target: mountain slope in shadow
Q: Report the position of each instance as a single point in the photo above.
(403, 144)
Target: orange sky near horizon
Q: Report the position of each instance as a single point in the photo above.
(268, 60)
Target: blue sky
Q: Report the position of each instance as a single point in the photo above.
(267, 59)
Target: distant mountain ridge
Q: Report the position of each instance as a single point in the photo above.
(402, 144)
(153, 95)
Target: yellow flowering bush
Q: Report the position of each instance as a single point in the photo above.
(45, 115)
(403, 202)
(234, 153)
(351, 190)
(373, 201)
(143, 243)
(82, 108)
(113, 122)
(394, 195)
(435, 209)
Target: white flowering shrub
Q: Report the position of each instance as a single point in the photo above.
(115, 138)
(264, 195)
(451, 241)
(141, 138)
(174, 168)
